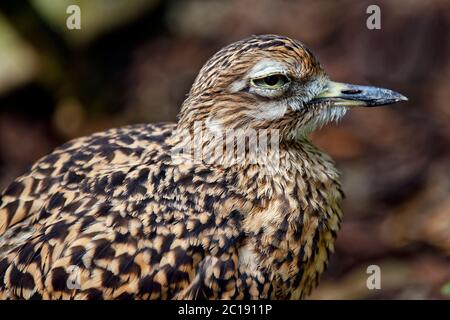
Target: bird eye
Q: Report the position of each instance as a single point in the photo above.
(274, 81)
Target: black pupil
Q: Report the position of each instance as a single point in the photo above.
(272, 80)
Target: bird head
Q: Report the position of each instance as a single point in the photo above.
(272, 82)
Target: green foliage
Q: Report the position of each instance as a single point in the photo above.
(445, 290)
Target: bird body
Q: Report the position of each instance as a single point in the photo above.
(114, 215)
(136, 225)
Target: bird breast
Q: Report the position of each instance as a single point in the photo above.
(291, 232)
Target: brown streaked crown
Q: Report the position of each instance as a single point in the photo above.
(234, 60)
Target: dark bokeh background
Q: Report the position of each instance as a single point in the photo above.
(134, 61)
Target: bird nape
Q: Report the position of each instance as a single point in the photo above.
(148, 212)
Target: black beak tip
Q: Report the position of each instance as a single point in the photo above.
(388, 98)
(401, 98)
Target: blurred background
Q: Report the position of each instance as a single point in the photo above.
(134, 61)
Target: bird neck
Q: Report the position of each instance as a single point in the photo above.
(200, 142)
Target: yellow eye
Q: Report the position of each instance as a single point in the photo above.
(274, 81)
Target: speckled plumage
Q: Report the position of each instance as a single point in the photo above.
(138, 225)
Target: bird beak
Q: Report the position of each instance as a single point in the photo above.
(351, 95)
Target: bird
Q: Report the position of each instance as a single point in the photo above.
(177, 211)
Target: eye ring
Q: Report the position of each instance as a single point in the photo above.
(273, 81)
